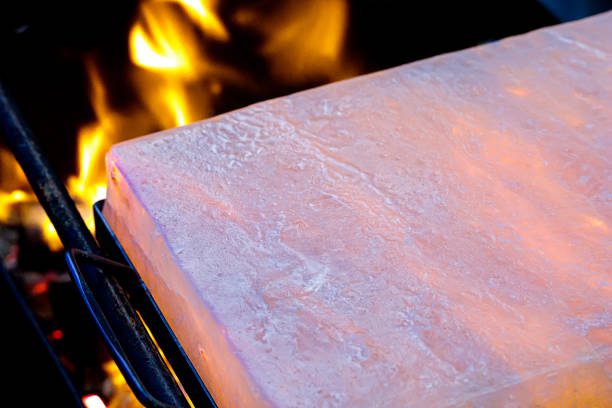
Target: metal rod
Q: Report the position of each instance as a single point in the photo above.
(44, 182)
(128, 329)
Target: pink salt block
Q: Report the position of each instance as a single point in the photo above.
(430, 235)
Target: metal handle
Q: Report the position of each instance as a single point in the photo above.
(143, 301)
(130, 375)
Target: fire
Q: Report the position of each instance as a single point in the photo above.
(176, 106)
(7, 200)
(93, 140)
(122, 396)
(303, 40)
(18, 205)
(177, 79)
(177, 82)
(12, 185)
(87, 187)
(203, 14)
(161, 41)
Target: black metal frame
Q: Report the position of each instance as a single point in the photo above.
(106, 286)
(118, 265)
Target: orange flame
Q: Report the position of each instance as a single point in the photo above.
(303, 40)
(161, 41)
(18, 205)
(86, 187)
(165, 45)
(202, 13)
(93, 140)
(122, 396)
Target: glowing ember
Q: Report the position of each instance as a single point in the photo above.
(56, 335)
(93, 401)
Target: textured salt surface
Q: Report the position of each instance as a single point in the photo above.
(435, 234)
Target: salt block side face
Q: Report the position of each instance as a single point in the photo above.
(435, 234)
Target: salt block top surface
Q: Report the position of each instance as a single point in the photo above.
(434, 234)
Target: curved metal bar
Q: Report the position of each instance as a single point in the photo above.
(130, 375)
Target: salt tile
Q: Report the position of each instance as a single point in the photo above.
(434, 234)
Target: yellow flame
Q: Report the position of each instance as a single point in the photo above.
(153, 50)
(21, 207)
(11, 175)
(88, 186)
(176, 106)
(50, 235)
(9, 200)
(164, 43)
(163, 40)
(90, 140)
(202, 13)
(106, 118)
(93, 140)
(122, 396)
(18, 196)
(17, 201)
(303, 40)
